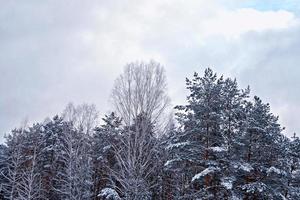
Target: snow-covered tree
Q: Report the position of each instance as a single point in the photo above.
(51, 131)
(3, 163)
(65, 163)
(261, 151)
(83, 119)
(137, 157)
(104, 139)
(200, 145)
(293, 164)
(233, 103)
(224, 145)
(30, 182)
(109, 194)
(140, 98)
(73, 163)
(12, 170)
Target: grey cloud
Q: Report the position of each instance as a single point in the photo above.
(42, 60)
(273, 71)
(267, 61)
(53, 52)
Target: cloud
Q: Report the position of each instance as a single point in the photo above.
(235, 23)
(53, 52)
(272, 70)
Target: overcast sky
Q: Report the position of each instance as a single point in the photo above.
(53, 52)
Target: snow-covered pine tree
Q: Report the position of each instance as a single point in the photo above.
(260, 152)
(172, 176)
(293, 163)
(226, 147)
(84, 167)
(105, 138)
(233, 101)
(65, 180)
(49, 151)
(200, 145)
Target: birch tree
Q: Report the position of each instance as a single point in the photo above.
(30, 186)
(77, 145)
(83, 117)
(140, 98)
(142, 88)
(14, 161)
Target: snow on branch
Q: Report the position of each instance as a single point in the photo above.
(109, 194)
(205, 172)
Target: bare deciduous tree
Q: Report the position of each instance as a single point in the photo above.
(141, 89)
(83, 117)
(12, 170)
(30, 184)
(78, 149)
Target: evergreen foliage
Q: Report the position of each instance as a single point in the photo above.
(223, 145)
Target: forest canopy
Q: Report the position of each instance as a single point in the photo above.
(221, 144)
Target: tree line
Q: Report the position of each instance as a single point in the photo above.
(222, 144)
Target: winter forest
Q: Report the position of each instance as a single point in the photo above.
(223, 143)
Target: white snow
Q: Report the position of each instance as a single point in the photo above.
(106, 147)
(205, 172)
(283, 197)
(109, 193)
(169, 162)
(176, 145)
(246, 167)
(234, 197)
(253, 187)
(47, 166)
(227, 185)
(100, 158)
(243, 166)
(296, 173)
(42, 129)
(275, 170)
(227, 182)
(218, 149)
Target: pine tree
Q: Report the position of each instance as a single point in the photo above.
(224, 146)
(84, 166)
(260, 152)
(200, 145)
(65, 163)
(104, 139)
(49, 152)
(293, 164)
(233, 102)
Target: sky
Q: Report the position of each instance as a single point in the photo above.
(53, 52)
